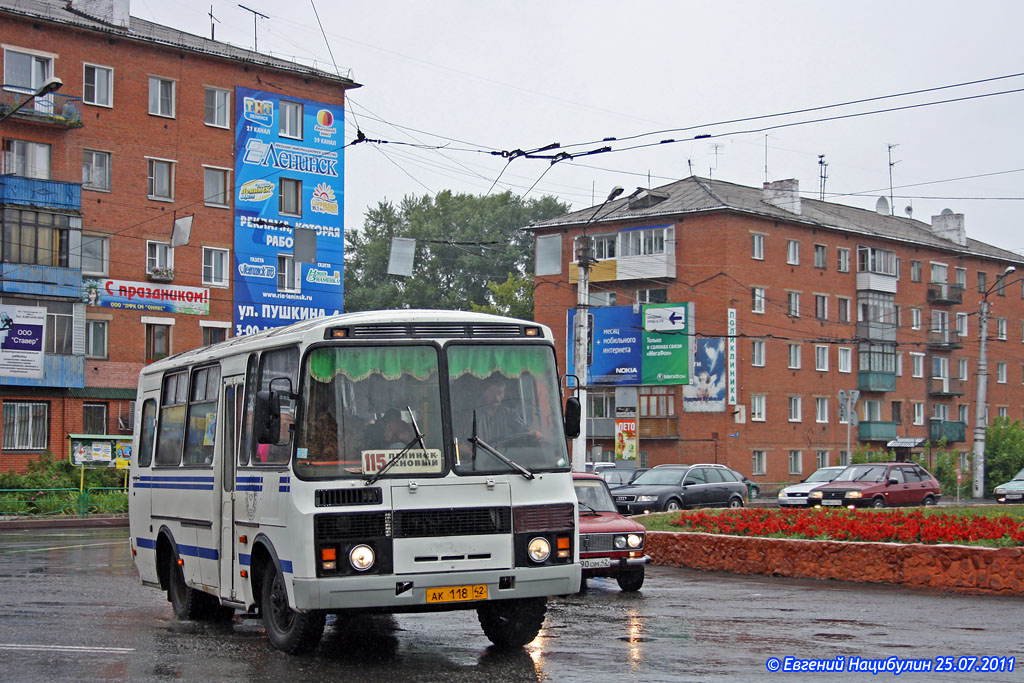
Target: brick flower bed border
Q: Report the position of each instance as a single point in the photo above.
(962, 569)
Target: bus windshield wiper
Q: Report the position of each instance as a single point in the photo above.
(401, 454)
(477, 441)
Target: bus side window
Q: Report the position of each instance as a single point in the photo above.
(145, 456)
(202, 417)
(280, 363)
(171, 431)
(251, 376)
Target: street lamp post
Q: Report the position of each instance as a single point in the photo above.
(981, 398)
(581, 333)
(52, 84)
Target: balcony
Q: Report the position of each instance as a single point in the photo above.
(658, 428)
(945, 293)
(23, 278)
(58, 371)
(876, 332)
(945, 386)
(869, 380)
(60, 111)
(53, 194)
(952, 432)
(876, 431)
(943, 340)
(600, 427)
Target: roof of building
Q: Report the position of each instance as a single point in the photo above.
(60, 11)
(697, 195)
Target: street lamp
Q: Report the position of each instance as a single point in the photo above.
(978, 489)
(52, 84)
(583, 259)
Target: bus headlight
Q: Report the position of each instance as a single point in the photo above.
(361, 557)
(635, 540)
(539, 549)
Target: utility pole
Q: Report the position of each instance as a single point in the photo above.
(581, 332)
(255, 43)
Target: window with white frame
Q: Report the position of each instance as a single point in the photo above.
(27, 159)
(961, 277)
(159, 256)
(795, 404)
(821, 357)
(793, 304)
(915, 318)
(843, 259)
(656, 401)
(794, 357)
(821, 306)
(982, 281)
(601, 403)
(96, 338)
(601, 299)
(757, 299)
(962, 368)
(216, 182)
(59, 327)
(796, 462)
(95, 254)
(915, 271)
(940, 411)
(161, 96)
(757, 353)
(290, 197)
(651, 296)
(643, 242)
(844, 360)
(26, 425)
(821, 409)
(215, 267)
(158, 341)
(98, 85)
(217, 111)
(961, 324)
(160, 179)
(871, 410)
(602, 247)
(757, 246)
(94, 418)
(1001, 373)
(757, 462)
(1002, 411)
(289, 274)
(843, 306)
(918, 412)
(290, 120)
(844, 458)
(793, 252)
(25, 73)
(875, 260)
(939, 274)
(917, 364)
(95, 170)
(1001, 329)
(940, 367)
(962, 412)
(757, 407)
(822, 460)
(820, 256)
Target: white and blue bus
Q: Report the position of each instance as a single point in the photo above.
(390, 461)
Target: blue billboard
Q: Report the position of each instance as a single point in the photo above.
(289, 174)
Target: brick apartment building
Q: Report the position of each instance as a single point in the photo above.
(789, 300)
(150, 125)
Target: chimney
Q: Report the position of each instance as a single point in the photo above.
(950, 226)
(784, 194)
(113, 12)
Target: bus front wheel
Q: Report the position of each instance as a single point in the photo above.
(287, 630)
(512, 623)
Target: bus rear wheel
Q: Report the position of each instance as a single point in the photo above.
(287, 630)
(512, 623)
(191, 604)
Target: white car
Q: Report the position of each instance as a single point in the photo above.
(796, 495)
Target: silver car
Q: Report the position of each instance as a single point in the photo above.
(796, 495)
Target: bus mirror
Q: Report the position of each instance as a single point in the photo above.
(267, 417)
(572, 417)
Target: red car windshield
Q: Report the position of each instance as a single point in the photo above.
(863, 473)
(593, 496)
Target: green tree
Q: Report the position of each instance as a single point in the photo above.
(467, 249)
(1004, 451)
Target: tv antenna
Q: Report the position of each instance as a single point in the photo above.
(822, 176)
(212, 19)
(891, 164)
(255, 44)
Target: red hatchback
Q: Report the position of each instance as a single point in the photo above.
(878, 485)
(610, 544)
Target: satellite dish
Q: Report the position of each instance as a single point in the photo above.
(882, 206)
(946, 212)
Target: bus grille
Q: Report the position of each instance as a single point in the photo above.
(452, 522)
(352, 525)
(339, 497)
(544, 517)
(429, 330)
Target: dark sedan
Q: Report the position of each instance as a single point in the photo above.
(673, 488)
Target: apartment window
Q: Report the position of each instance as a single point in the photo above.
(821, 306)
(940, 273)
(794, 356)
(1001, 373)
(757, 299)
(940, 411)
(821, 409)
(161, 96)
(95, 170)
(821, 357)
(757, 353)
(291, 120)
(160, 179)
(59, 327)
(657, 402)
(917, 360)
(158, 341)
(843, 305)
(820, 256)
(26, 159)
(602, 299)
(872, 410)
(940, 367)
(215, 267)
(1002, 411)
(96, 338)
(915, 271)
(845, 359)
(843, 259)
(215, 186)
(218, 108)
(26, 72)
(962, 368)
(601, 403)
(94, 418)
(962, 411)
(98, 85)
(961, 277)
(214, 335)
(36, 237)
(795, 404)
(793, 304)
(877, 308)
(1001, 329)
(757, 406)
(159, 256)
(796, 464)
(644, 242)
(897, 412)
(915, 318)
(918, 412)
(757, 462)
(602, 247)
(26, 425)
(793, 252)
(652, 296)
(288, 274)
(290, 197)
(961, 324)
(982, 282)
(757, 246)
(1001, 285)
(875, 260)
(844, 458)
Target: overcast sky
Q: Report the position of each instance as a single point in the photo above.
(480, 76)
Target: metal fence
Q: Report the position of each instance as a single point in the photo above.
(63, 502)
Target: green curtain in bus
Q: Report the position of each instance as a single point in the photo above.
(359, 363)
(511, 361)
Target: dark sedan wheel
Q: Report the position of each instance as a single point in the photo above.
(735, 503)
(672, 505)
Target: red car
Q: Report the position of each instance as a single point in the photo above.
(610, 544)
(878, 485)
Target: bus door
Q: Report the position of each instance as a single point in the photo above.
(232, 438)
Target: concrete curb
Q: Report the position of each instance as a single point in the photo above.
(63, 523)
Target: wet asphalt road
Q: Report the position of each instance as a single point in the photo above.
(72, 609)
